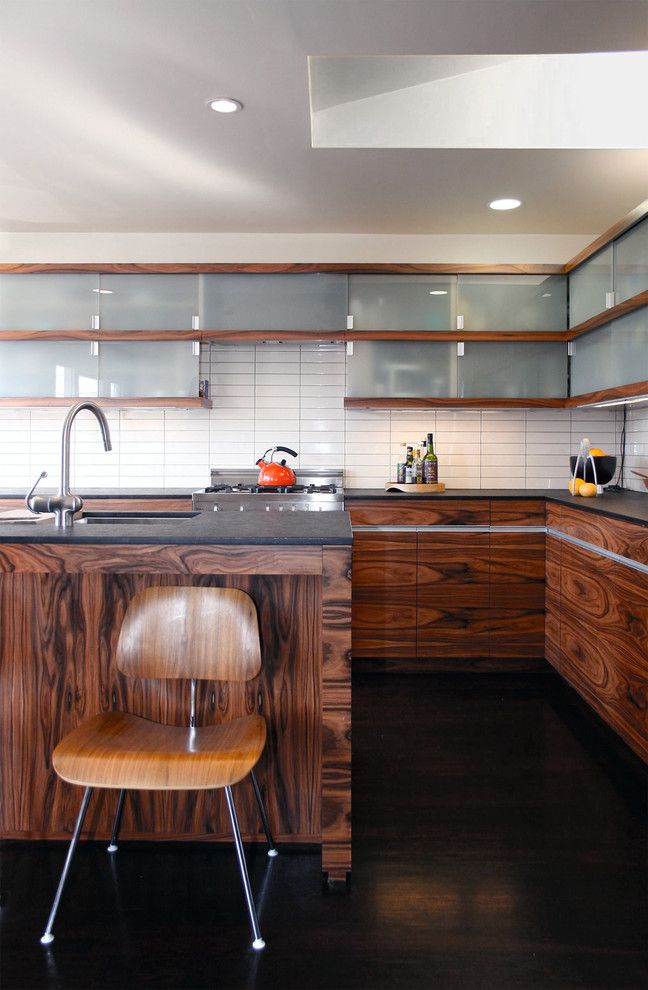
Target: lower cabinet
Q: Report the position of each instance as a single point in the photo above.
(599, 638)
(453, 595)
(448, 593)
(384, 594)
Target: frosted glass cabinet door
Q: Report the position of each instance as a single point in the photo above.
(47, 368)
(273, 302)
(512, 302)
(631, 263)
(614, 354)
(515, 370)
(588, 286)
(148, 302)
(129, 369)
(390, 369)
(48, 301)
(402, 302)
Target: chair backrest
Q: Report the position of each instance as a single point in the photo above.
(193, 633)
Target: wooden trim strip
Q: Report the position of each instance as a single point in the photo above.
(603, 394)
(207, 335)
(292, 268)
(431, 403)
(621, 309)
(629, 220)
(174, 401)
(100, 335)
(158, 558)
(464, 335)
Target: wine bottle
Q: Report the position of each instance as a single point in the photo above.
(418, 467)
(430, 463)
(409, 466)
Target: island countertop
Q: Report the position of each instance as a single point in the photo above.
(205, 528)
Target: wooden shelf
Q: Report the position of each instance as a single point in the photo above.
(621, 309)
(431, 403)
(609, 394)
(99, 335)
(462, 335)
(173, 401)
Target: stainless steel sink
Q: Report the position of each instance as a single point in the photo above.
(132, 518)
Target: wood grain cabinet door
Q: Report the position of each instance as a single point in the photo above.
(604, 639)
(453, 595)
(384, 594)
(517, 594)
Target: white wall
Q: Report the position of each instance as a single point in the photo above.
(636, 445)
(292, 394)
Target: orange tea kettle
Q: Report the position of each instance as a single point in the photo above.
(276, 475)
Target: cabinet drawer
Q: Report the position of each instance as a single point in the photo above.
(626, 539)
(519, 512)
(406, 512)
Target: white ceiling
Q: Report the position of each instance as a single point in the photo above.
(104, 124)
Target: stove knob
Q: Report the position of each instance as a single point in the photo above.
(267, 508)
(241, 508)
(292, 508)
(216, 508)
(281, 508)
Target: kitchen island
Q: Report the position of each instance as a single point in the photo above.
(63, 595)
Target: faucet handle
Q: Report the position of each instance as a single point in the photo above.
(28, 496)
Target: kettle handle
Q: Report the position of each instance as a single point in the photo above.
(287, 450)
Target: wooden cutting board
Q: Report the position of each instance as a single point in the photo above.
(395, 486)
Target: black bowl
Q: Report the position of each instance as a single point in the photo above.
(605, 468)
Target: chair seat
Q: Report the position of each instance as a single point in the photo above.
(125, 751)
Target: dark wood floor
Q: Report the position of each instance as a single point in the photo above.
(499, 841)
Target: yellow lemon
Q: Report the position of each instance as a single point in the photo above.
(575, 485)
(597, 452)
(587, 489)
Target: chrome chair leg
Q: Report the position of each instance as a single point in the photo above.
(258, 942)
(117, 823)
(47, 936)
(272, 850)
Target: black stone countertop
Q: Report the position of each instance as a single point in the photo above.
(46, 486)
(231, 528)
(627, 505)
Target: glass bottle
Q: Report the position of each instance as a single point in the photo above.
(430, 463)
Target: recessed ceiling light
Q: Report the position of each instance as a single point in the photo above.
(505, 204)
(438, 292)
(224, 104)
(104, 292)
(546, 295)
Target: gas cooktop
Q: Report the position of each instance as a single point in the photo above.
(316, 490)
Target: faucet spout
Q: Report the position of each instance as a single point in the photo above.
(64, 488)
(64, 504)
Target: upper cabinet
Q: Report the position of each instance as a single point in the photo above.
(513, 370)
(387, 369)
(48, 301)
(631, 263)
(613, 355)
(474, 303)
(403, 302)
(512, 302)
(591, 286)
(243, 301)
(148, 302)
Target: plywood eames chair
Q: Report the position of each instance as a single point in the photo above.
(190, 633)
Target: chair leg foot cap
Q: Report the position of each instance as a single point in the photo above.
(112, 848)
(47, 938)
(273, 852)
(258, 944)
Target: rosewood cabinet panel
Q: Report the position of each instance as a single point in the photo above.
(453, 595)
(624, 538)
(518, 512)
(604, 639)
(409, 512)
(517, 594)
(384, 594)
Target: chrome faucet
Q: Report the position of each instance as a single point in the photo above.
(64, 504)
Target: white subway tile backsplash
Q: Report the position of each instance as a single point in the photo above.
(293, 395)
